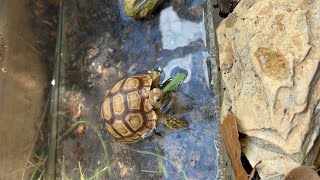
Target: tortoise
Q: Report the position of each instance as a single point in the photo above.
(132, 108)
(140, 8)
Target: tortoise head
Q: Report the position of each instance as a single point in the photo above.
(155, 76)
(156, 98)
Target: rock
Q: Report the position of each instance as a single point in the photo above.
(269, 59)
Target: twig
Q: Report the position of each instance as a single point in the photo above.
(161, 165)
(81, 174)
(35, 140)
(149, 171)
(250, 176)
(150, 153)
(102, 143)
(272, 177)
(159, 156)
(71, 128)
(40, 177)
(185, 176)
(105, 168)
(63, 169)
(18, 34)
(94, 129)
(100, 139)
(37, 166)
(16, 171)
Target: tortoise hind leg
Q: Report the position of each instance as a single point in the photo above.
(173, 123)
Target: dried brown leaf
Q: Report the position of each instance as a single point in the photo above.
(54, 3)
(230, 136)
(250, 176)
(317, 162)
(226, 7)
(302, 172)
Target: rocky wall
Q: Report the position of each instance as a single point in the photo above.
(269, 55)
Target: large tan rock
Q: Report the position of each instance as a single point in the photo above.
(269, 58)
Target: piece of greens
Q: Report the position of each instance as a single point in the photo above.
(174, 83)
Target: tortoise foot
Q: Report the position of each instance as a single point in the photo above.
(173, 123)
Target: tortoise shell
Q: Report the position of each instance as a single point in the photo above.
(126, 110)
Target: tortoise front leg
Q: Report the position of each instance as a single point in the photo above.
(169, 121)
(173, 123)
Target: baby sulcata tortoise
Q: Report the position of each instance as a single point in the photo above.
(132, 108)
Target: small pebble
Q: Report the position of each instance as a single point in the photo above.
(4, 69)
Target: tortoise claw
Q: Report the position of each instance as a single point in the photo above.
(173, 123)
(158, 133)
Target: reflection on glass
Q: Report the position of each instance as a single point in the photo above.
(107, 48)
(183, 63)
(177, 32)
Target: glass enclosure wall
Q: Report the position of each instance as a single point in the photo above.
(27, 41)
(99, 47)
(22, 90)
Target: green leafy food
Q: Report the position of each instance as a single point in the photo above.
(174, 83)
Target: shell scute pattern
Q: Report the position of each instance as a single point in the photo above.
(127, 111)
(135, 120)
(134, 100)
(116, 87)
(120, 127)
(118, 105)
(107, 115)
